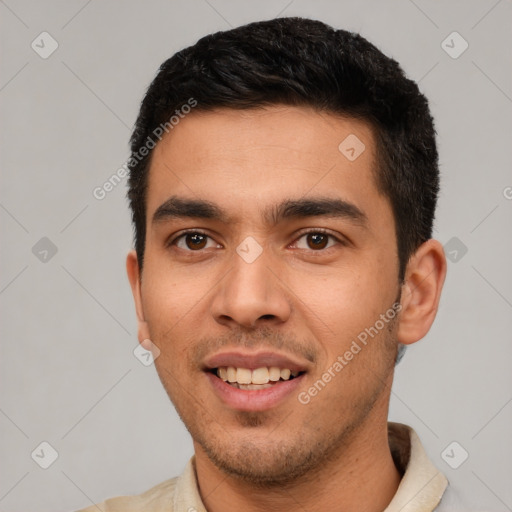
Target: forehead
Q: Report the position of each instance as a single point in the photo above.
(247, 160)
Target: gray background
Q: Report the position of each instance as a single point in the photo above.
(68, 373)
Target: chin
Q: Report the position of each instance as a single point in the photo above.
(266, 465)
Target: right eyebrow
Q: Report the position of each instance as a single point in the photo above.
(176, 207)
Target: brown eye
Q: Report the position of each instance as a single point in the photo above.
(317, 240)
(195, 240)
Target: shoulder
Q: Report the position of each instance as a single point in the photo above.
(159, 497)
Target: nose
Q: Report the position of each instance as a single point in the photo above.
(251, 295)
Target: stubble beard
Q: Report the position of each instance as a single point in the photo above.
(298, 457)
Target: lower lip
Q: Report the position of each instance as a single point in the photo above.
(254, 399)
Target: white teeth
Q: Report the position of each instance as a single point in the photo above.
(231, 374)
(243, 376)
(259, 378)
(274, 373)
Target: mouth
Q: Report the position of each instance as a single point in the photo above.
(253, 380)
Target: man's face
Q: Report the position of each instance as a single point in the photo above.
(256, 284)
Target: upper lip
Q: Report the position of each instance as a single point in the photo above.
(251, 361)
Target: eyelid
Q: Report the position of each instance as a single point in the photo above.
(298, 235)
(175, 237)
(323, 231)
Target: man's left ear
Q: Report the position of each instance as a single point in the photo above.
(421, 291)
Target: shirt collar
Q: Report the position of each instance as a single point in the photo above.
(422, 484)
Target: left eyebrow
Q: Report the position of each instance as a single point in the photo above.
(179, 207)
(316, 207)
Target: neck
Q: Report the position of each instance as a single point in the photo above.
(361, 476)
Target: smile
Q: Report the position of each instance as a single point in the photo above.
(260, 378)
(254, 381)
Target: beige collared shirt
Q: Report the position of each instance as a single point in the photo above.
(420, 489)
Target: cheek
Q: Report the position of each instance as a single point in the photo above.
(342, 301)
(167, 306)
(168, 291)
(171, 289)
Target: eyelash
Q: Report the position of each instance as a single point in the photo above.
(299, 236)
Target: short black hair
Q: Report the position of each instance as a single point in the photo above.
(301, 62)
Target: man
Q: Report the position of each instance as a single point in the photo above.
(283, 183)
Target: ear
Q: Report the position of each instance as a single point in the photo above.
(421, 291)
(132, 269)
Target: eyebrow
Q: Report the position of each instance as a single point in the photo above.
(178, 207)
